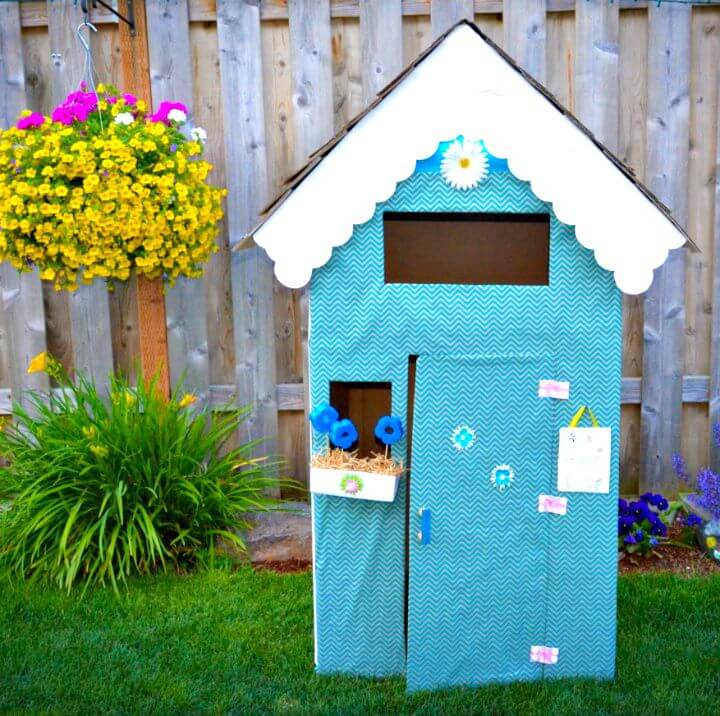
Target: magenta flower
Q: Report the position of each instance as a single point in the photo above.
(164, 110)
(129, 98)
(32, 120)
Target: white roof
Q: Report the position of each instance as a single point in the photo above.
(466, 87)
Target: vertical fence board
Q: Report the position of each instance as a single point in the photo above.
(168, 34)
(207, 109)
(89, 307)
(445, 13)
(347, 82)
(525, 35)
(381, 44)
(597, 34)
(22, 301)
(417, 35)
(715, 336)
(310, 50)
(698, 278)
(667, 172)
(246, 169)
(560, 75)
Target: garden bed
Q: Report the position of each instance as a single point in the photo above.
(687, 561)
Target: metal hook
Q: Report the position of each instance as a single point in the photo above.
(81, 38)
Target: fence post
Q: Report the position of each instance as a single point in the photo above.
(445, 13)
(714, 407)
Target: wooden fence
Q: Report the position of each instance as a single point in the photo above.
(271, 80)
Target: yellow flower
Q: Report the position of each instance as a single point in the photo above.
(39, 363)
(99, 450)
(187, 399)
(89, 431)
(711, 542)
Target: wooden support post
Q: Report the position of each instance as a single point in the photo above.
(146, 293)
(668, 112)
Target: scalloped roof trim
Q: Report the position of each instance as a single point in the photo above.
(464, 86)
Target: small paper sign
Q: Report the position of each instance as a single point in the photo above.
(544, 654)
(553, 504)
(558, 389)
(584, 460)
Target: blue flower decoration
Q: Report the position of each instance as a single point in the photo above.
(323, 417)
(463, 437)
(343, 434)
(389, 430)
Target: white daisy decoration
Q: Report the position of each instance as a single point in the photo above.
(464, 164)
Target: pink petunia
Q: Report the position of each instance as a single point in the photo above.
(164, 109)
(32, 120)
(129, 98)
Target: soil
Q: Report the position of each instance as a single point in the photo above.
(285, 567)
(687, 561)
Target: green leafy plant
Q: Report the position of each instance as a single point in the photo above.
(105, 487)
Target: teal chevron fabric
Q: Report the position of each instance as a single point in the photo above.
(478, 591)
(364, 330)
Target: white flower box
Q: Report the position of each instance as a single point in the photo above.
(353, 484)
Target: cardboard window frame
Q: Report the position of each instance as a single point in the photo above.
(364, 402)
(466, 248)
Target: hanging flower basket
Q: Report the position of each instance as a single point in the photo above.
(101, 188)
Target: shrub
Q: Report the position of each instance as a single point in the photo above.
(104, 488)
(642, 524)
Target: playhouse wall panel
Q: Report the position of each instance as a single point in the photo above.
(362, 329)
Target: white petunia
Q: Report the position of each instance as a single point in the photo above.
(124, 118)
(198, 134)
(464, 164)
(177, 115)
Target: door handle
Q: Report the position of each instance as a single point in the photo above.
(424, 533)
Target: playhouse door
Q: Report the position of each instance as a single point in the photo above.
(482, 452)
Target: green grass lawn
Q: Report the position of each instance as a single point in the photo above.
(242, 642)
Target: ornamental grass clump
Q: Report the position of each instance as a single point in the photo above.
(102, 188)
(104, 488)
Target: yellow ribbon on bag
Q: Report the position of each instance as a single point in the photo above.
(579, 414)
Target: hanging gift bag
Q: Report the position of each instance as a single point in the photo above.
(584, 456)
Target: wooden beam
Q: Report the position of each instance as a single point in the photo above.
(381, 45)
(445, 13)
(290, 397)
(22, 300)
(251, 277)
(168, 39)
(667, 176)
(525, 35)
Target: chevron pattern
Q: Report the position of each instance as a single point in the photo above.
(363, 330)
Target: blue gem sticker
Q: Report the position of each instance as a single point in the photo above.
(463, 437)
(501, 477)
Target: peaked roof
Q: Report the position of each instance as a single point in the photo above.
(465, 84)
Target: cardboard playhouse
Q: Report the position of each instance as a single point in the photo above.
(466, 243)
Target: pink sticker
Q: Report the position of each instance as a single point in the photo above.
(558, 389)
(551, 503)
(544, 654)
